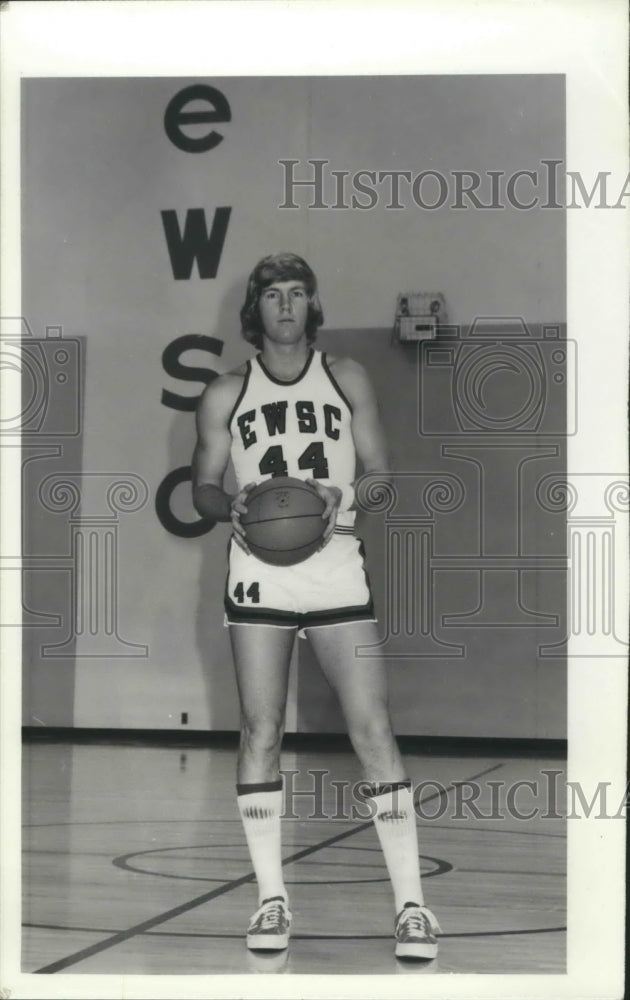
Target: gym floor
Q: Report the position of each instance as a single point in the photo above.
(135, 863)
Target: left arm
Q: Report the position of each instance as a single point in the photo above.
(367, 429)
(367, 433)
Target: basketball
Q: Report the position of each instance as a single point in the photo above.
(283, 524)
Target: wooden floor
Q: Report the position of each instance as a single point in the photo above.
(135, 862)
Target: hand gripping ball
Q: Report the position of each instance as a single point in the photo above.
(283, 524)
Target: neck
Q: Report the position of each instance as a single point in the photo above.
(285, 360)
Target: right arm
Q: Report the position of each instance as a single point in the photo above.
(212, 454)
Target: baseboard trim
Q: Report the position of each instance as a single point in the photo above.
(488, 746)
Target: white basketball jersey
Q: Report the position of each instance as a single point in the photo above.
(300, 428)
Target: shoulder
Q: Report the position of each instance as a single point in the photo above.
(219, 397)
(352, 377)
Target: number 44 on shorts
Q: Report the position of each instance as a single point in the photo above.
(252, 592)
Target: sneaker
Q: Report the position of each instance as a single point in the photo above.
(269, 927)
(416, 928)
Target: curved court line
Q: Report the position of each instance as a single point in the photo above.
(296, 937)
(191, 904)
(122, 861)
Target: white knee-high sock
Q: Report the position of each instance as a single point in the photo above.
(395, 823)
(260, 806)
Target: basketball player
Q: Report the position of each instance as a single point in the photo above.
(295, 411)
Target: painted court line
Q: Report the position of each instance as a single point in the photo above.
(299, 937)
(176, 911)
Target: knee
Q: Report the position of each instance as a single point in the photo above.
(261, 736)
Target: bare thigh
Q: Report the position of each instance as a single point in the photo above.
(262, 656)
(360, 684)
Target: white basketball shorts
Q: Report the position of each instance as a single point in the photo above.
(329, 588)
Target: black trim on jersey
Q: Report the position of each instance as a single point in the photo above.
(282, 381)
(334, 381)
(239, 398)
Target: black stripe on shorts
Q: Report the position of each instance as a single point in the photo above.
(237, 615)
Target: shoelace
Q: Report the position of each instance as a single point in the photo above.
(272, 915)
(416, 920)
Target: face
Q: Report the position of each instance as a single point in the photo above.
(284, 310)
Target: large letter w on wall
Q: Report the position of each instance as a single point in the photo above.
(195, 244)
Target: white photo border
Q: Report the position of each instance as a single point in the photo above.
(587, 41)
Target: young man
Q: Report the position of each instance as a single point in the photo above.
(294, 411)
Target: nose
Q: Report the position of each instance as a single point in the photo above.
(285, 303)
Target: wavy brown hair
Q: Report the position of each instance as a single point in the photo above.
(279, 267)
